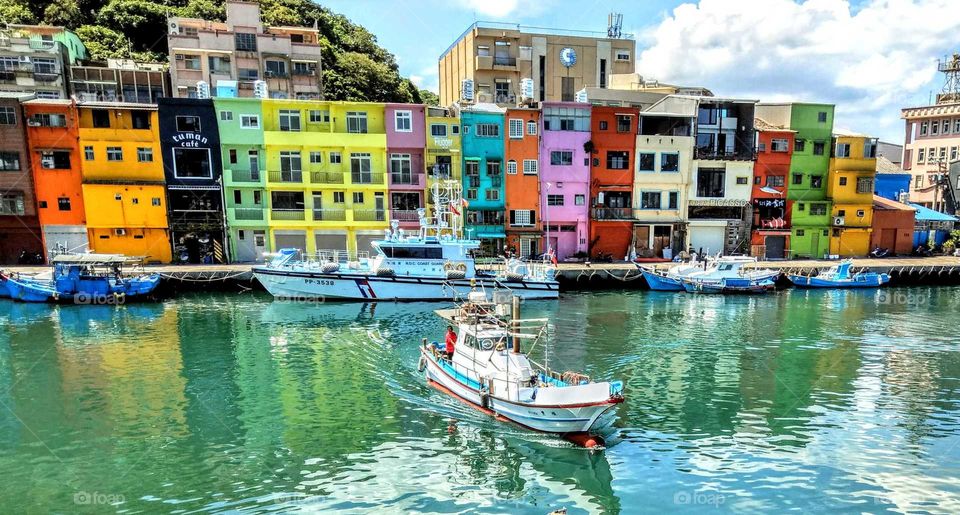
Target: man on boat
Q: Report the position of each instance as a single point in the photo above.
(451, 341)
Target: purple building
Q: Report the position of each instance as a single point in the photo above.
(565, 176)
(406, 127)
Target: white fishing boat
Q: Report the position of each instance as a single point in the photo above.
(728, 275)
(435, 263)
(490, 371)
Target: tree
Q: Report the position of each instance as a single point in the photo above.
(429, 97)
(103, 43)
(12, 11)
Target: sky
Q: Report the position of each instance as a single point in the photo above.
(868, 57)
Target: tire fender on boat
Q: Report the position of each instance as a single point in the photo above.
(422, 364)
(119, 297)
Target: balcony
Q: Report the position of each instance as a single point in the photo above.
(43, 76)
(404, 215)
(613, 213)
(367, 178)
(719, 153)
(293, 176)
(245, 175)
(326, 177)
(287, 215)
(504, 61)
(369, 215)
(412, 179)
(329, 215)
(476, 230)
(248, 213)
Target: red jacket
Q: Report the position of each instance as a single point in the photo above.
(451, 341)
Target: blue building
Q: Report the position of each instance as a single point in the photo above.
(890, 180)
(483, 154)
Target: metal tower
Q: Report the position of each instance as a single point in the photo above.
(614, 25)
(950, 93)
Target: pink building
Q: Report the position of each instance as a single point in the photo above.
(565, 176)
(406, 128)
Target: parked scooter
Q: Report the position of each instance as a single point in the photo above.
(879, 253)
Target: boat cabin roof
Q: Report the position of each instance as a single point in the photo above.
(93, 259)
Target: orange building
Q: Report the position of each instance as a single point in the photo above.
(613, 140)
(522, 153)
(52, 141)
(771, 182)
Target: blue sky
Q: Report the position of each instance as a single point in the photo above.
(853, 54)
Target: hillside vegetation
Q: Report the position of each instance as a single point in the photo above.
(355, 67)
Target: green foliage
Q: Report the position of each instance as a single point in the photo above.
(103, 43)
(12, 11)
(143, 21)
(429, 97)
(63, 12)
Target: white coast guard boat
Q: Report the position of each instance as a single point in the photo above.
(437, 263)
(491, 372)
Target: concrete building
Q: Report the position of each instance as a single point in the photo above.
(230, 57)
(496, 57)
(120, 80)
(442, 148)
(771, 205)
(405, 126)
(893, 226)
(483, 146)
(892, 182)
(36, 59)
(853, 165)
(19, 225)
(613, 139)
(565, 177)
(522, 183)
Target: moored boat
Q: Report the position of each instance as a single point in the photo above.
(840, 276)
(669, 279)
(490, 371)
(728, 275)
(84, 279)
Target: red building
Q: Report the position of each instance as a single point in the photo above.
(613, 139)
(19, 224)
(771, 176)
(893, 226)
(522, 152)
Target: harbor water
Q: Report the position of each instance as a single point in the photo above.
(841, 401)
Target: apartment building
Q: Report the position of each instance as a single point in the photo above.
(228, 59)
(120, 80)
(443, 160)
(506, 63)
(522, 182)
(483, 150)
(35, 59)
(853, 165)
(405, 126)
(770, 194)
(613, 140)
(565, 177)
(19, 224)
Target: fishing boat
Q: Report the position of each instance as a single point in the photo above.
(840, 276)
(84, 279)
(728, 275)
(44, 277)
(435, 263)
(491, 372)
(669, 279)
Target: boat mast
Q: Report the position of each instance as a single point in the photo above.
(448, 210)
(515, 324)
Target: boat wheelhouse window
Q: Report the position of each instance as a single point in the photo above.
(412, 252)
(726, 266)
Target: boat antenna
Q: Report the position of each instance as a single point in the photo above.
(515, 323)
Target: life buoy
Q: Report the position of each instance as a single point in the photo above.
(422, 364)
(461, 267)
(486, 344)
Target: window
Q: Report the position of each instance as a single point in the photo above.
(233, 156)
(775, 181)
(923, 128)
(401, 168)
(438, 130)
(471, 194)
(316, 158)
(493, 194)
(864, 184)
(669, 162)
(88, 154)
(257, 198)
(274, 69)
(493, 168)
(248, 74)
(918, 181)
(155, 201)
(145, 154)
(798, 145)
(511, 167)
(245, 42)
(114, 154)
(797, 179)
(188, 124)
(946, 127)
(51, 120)
(356, 122)
(530, 166)
(842, 150)
(63, 204)
(860, 213)
(800, 232)
(55, 159)
(554, 200)
(761, 147)
(290, 165)
(483, 51)
(870, 149)
(249, 121)
(645, 161)
(488, 130)
(921, 155)
(561, 157)
(843, 181)
(756, 179)
(579, 199)
(953, 153)
(454, 129)
(335, 158)
(956, 126)
(801, 206)
(360, 167)
(226, 116)
(841, 212)
(818, 148)
(358, 197)
(603, 125)
(934, 128)
(8, 116)
(339, 197)
(403, 121)
(710, 182)
(219, 64)
(290, 120)
(779, 145)
(237, 197)
(522, 217)
(674, 200)
(618, 159)
(9, 161)
(622, 55)
(816, 181)
(319, 116)
(516, 128)
(623, 123)
(822, 117)
(531, 128)
(742, 180)
(192, 163)
(649, 200)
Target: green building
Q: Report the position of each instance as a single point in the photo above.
(807, 199)
(244, 178)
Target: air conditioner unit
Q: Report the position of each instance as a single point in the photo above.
(268, 74)
(24, 59)
(174, 28)
(838, 220)
(120, 232)
(33, 123)
(481, 97)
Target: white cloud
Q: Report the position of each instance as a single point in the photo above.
(869, 61)
(492, 8)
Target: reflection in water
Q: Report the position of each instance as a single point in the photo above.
(803, 399)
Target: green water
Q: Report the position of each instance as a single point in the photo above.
(800, 401)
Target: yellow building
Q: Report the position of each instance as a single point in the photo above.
(853, 165)
(443, 148)
(326, 180)
(123, 182)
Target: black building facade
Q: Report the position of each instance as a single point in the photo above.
(190, 143)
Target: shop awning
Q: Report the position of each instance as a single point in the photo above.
(471, 158)
(925, 214)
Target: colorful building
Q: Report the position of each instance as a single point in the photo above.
(20, 231)
(522, 152)
(853, 166)
(613, 139)
(891, 182)
(244, 177)
(769, 196)
(123, 183)
(406, 143)
(52, 139)
(565, 177)
(482, 136)
(326, 177)
(893, 226)
(190, 144)
(810, 208)
(664, 168)
(443, 160)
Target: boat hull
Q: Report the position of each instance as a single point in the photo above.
(659, 282)
(557, 419)
(870, 280)
(728, 286)
(84, 291)
(364, 287)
